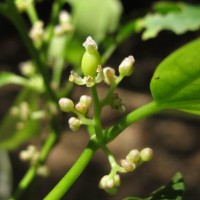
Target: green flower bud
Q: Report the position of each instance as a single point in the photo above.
(133, 156)
(66, 104)
(146, 154)
(126, 66)
(91, 58)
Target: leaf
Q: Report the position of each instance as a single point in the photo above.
(13, 130)
(171, 191)
(95, 18)
(176, 81)
(5, 176)
(187, 19)
(33, 83)
(10, 78)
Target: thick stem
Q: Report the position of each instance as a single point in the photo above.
(140, 113)
(67, 181)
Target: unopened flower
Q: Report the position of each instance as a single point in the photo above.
(109, 75)
(110, 183)
(74, 123)
(91, 59)
(133, 156)
(127, 165)
(66, 104)
(126, 66)
(37, 31)
(146, 154)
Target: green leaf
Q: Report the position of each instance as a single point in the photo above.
(95, 18)
(10, 78)
(171, 191)
(187, 19)
(33, 83)
(13, 130)
(165, 7)
(176, 81)
(5, 176)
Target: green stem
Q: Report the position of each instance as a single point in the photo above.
(37, 58)
(67, 181)
(54, 18)
(31, 173)
(122, 35)
(97, 113)
(106, 100)
(33, 16)
(140, 113)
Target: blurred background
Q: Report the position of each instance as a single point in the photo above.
(174, 136)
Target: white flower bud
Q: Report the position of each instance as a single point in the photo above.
(133, 156)
(110, 183)
(109, 75)
(37, 31)
(43, 171)
(146, 154)
(126, 66)
(66, 104)
(81, 108)
(24, 155)
(64, 17)
(117, 180)
(128, 166)
(74, 123)
(103, 181)
(86, 100)
(90, 44)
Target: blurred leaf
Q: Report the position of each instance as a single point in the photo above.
(5, 176)
(187, 19)
(10, 78)
(164, 7)
(14, 130)
(171, 191)
(95, 18)
(33, 83)
(176, 81)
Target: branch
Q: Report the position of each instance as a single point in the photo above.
(140, 113)
(66, 182)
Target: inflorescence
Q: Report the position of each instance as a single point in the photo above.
(94, 73)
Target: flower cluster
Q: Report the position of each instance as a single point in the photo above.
(134, 158)
(22, 5)
(65, 24)
(80, 109)
(31, 155)
(110, 183)
(93, 72)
